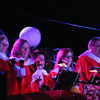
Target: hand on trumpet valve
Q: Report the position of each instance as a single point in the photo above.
(62, 65)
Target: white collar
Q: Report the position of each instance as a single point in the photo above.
(91, 55)
(40, 71)
(3, 56)
(29, 62)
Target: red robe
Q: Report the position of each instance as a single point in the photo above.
(5, 66)
(50, 81)
(46, 79)
(39, 78)
(12, 85)
(83, 66)
(24, 82)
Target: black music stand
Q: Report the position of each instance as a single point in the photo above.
(66, 80)
(94, 79)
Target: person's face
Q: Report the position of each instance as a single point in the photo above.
(3, 45)
(24, 50)
(68, 58)
(40, 61)
(95, 49)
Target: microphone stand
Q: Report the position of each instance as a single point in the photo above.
(95, 70)
(94, 75)
(78, 75)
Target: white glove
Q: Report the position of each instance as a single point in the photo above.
(36, 75)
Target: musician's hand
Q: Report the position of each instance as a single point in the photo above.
(62, 65)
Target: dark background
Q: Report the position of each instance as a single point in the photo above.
(15, 15)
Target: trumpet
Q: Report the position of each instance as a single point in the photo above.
(63, 64)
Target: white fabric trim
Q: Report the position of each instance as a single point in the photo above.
(91, 55)
(3, 56)
(29, 62)
(20, 58)
(44, 72)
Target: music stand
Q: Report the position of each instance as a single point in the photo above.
(66, 80)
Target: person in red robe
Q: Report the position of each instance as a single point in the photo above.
(64, 64)
(40, 77)
(88, 64)
(6, 69)
(23, 65)
(4, 44)
(4, 65)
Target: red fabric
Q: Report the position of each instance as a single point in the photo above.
(34, 96)
(35, 87)
(26, 81)
(47, 81)
(4, 65)
(12, 87)
(85, 63)
(12, 84)
(50, 82)
(25, 84)
(48, 95)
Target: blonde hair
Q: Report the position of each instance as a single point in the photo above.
(15, 52)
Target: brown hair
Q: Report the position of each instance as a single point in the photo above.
(15, 52)
(61, 53)
(92, 41)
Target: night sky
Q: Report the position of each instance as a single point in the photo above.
(52, 18)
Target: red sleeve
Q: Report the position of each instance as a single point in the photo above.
(83, 66)
(50, 81)
(4, 66)
(85, 63)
